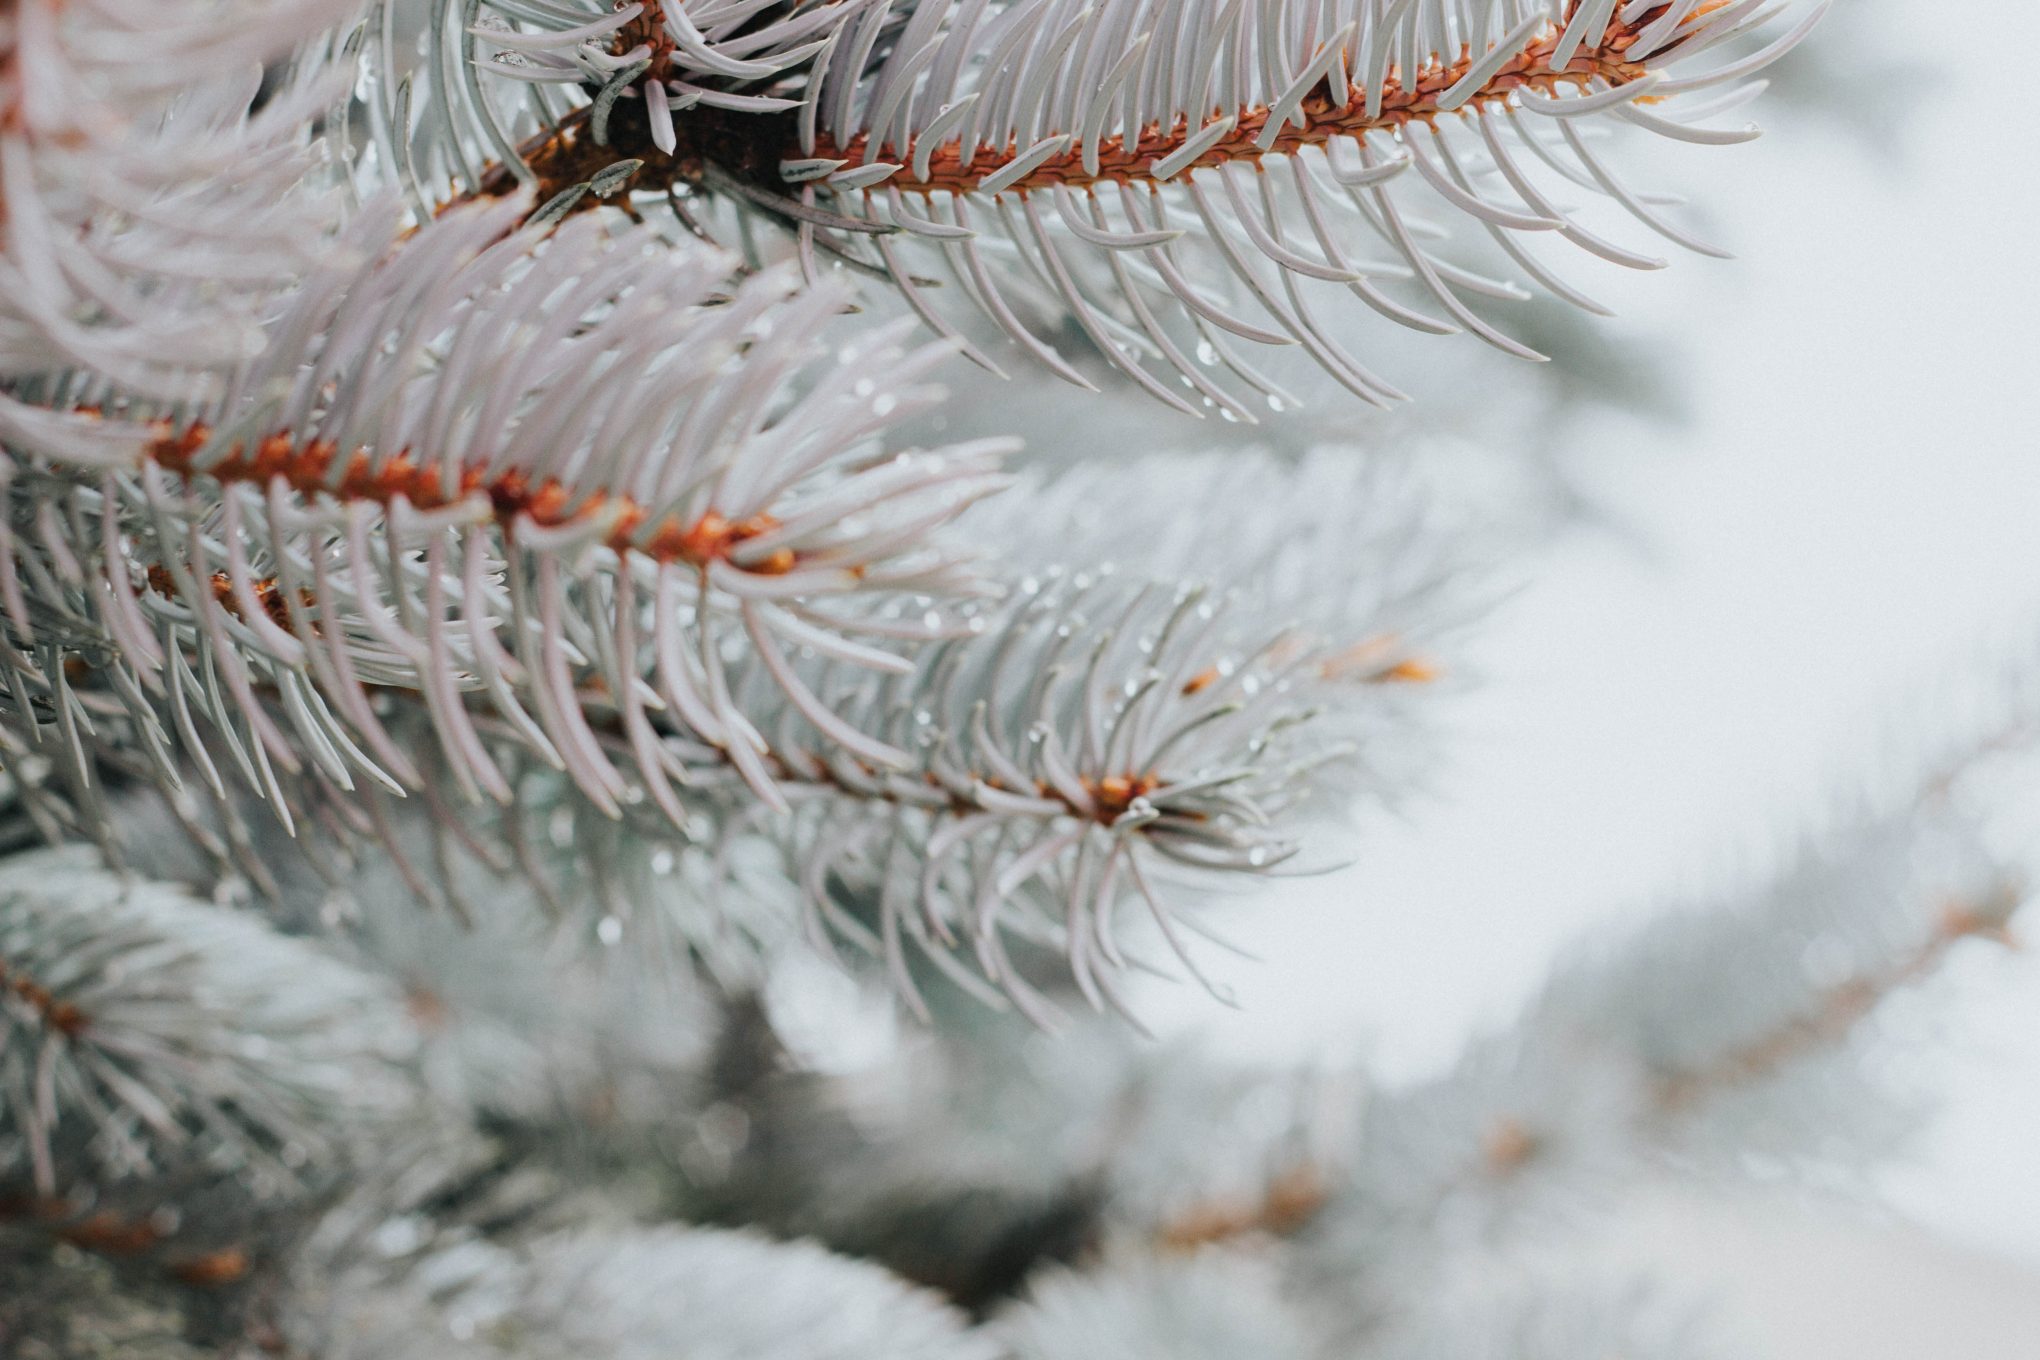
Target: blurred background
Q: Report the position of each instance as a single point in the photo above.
(1758, 540)
(1802, 494)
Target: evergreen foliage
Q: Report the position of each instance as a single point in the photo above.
(530, 682)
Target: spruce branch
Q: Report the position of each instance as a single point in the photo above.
(1088, 748)
(62, 1303)
(1132, 154)
(1550, 1317)
(1213, 1305)
(1056, 1147)
(627, 1293)
(147, 216)
(1093, 747)
(521, 1023)
(492, 467)
(1287, 1203)
(1170, 178)
(1622, 1062)
(145, 1035)
(488, 81)
(1012, 815)
(1840, 1008)
(1845, 930)
(1743, 1023)
(1089, 745)
(1350, 545)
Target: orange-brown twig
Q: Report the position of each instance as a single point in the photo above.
(65, 1017)
(305, 468)
(749, 147)
(1838, 1012)
(1291, 1199)
(1321, 120)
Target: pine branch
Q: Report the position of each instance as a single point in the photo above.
(1083, 750)
(1014, 819)
(1366, 591)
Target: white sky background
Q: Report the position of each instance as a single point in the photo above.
(1852, 513)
